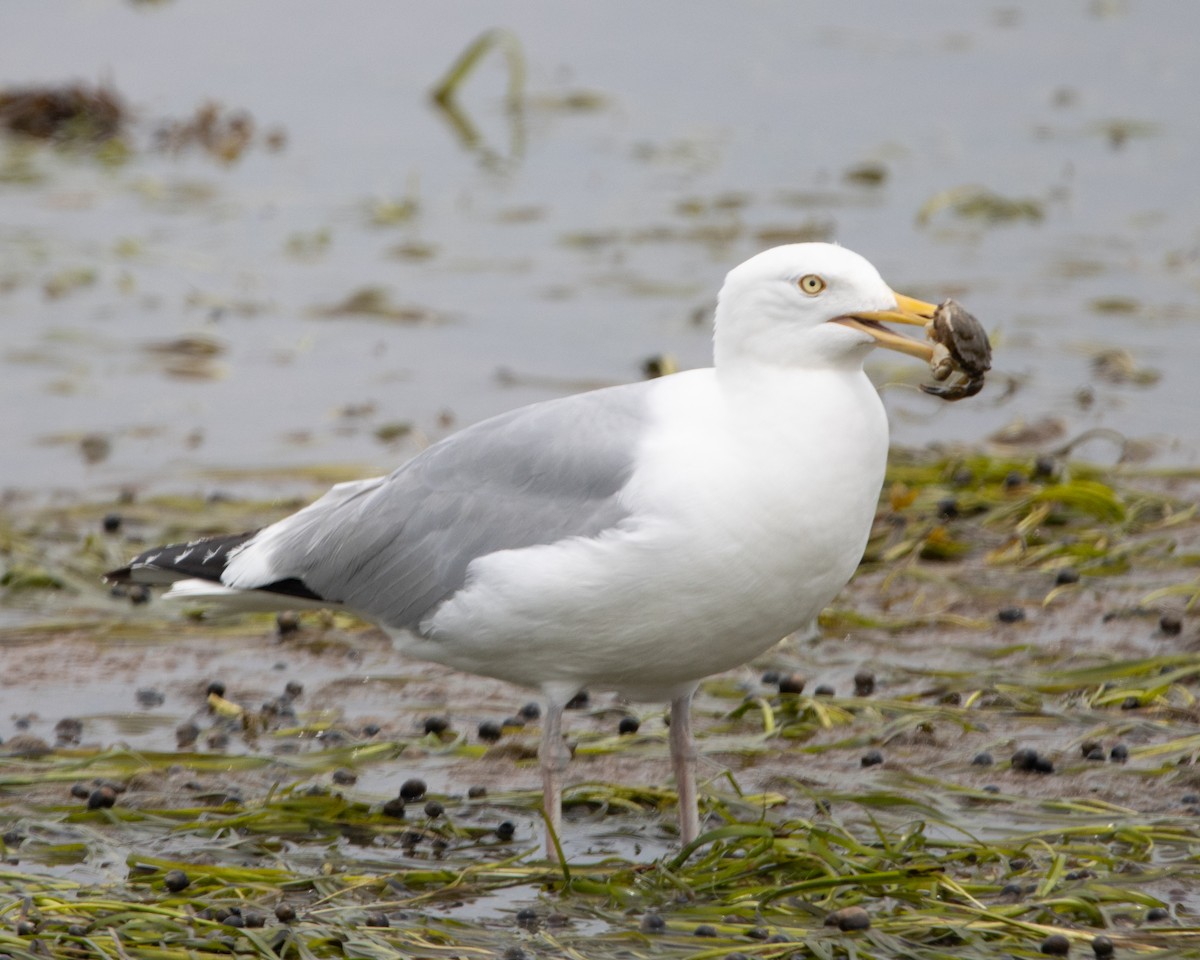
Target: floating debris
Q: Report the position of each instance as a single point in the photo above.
(221, 133)
(1023, 433)
(413, 251)
(19, 577)
(71, 113)
(68, 281)
(188, 358)
(391, 213)
(95, 447)
(1119, 366)
(868, 174)
(1119, 131)
(982, 205)
(308, 246)
(661, 365)
(807, 232)
(1115, 305)
(375, 302)
(394, 432)
(445, 96)
(573, 101)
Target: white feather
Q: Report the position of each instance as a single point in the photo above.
(230, 598)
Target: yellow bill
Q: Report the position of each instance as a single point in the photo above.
(908, 310)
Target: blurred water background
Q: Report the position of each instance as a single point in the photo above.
(290, 255)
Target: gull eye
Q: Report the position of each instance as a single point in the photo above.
(811, 284)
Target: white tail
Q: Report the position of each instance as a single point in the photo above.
(205, 591)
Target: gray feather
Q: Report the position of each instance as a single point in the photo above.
(395, 547)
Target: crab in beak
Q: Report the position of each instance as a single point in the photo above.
(957, 343)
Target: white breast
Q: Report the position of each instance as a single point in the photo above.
(750, 509)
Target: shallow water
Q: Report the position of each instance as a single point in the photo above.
(587, 230)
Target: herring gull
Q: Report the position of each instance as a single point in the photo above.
(637, 538)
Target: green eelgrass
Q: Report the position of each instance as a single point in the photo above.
(950, 860)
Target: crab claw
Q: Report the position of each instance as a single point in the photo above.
(967, 387)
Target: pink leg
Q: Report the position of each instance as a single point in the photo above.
(553, 757)
(683, 760)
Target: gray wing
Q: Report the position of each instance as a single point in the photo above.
(394, 547)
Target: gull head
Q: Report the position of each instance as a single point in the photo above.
(811, 305)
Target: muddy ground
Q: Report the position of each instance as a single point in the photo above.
(993, 651)
(353, 682)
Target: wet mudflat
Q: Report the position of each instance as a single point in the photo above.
(991, 742)
(224, 291)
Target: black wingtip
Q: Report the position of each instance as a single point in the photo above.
(124, 575)
(203, 559)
